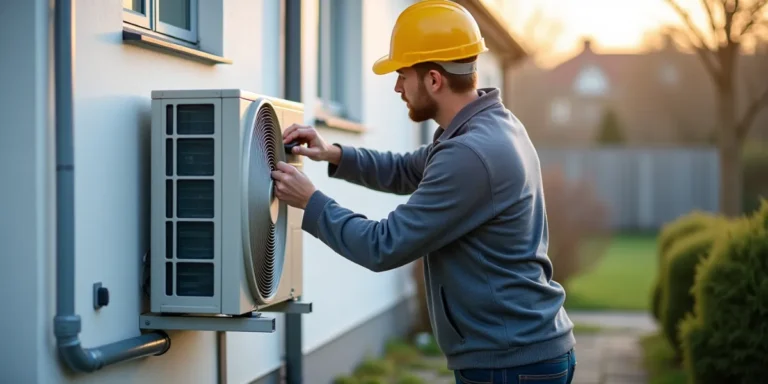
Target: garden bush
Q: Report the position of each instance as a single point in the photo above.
(725, 339)
(579, 231)
(755, 167)
(671, 232)
(684, 225)
(579, 234)
(761, 215)
(421, 323)
(676, 299)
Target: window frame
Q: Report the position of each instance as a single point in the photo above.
(339, 60)
(139, 19)
(151, 21)
(328, 78)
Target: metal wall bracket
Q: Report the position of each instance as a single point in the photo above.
(253, 323)
(296, 307)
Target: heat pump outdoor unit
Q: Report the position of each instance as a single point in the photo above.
(222, 244)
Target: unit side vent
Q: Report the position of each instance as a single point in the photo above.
(190, 184)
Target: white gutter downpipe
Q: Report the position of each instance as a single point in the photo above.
(66, 323)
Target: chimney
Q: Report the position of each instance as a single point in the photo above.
(668, 43)
(587, 43)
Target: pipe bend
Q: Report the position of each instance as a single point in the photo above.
(82, 359)
(77, 358)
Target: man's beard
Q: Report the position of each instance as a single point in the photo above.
(423, 107)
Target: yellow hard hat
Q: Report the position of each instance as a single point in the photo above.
(432, 30)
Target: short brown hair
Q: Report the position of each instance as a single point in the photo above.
(457, 83)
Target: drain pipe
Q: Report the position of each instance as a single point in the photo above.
(294, 358)
(66, 324)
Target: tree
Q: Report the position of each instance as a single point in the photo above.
(733, 25)
(610, 131)
(533, 27)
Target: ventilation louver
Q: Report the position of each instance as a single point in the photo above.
(264, 229)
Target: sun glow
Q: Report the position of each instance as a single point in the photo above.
(613, 25)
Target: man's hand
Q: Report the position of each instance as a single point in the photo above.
(292, 186)
(317, 149)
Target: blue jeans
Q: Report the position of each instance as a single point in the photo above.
(554, 371)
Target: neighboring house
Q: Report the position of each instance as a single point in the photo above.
(120, 56)
(660, 97)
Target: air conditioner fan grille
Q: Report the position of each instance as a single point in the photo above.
(266, 214)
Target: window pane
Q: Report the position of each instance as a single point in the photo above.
(134, 5)
(175, 12)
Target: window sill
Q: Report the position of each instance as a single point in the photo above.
(326, 119)
(138, 38)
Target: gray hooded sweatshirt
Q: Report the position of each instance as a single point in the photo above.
(476, 215)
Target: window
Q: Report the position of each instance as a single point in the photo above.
(340, 59)
(560, 111)
(592, 82)
(174, 18)
(668, 74)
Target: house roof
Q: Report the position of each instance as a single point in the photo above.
(622, 68)
(614, 66)
(499, 38)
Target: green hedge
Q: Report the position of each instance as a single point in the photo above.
(670, 233)
(676, 299)
(755, 167)
(725, 339)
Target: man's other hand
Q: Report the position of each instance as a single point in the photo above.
(317, 149)
(292, 186)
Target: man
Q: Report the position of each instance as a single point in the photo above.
(476, 211)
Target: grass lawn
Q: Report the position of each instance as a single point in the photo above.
(659, 362)
(622, 280)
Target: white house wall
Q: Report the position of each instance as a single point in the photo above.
(344, 294)
(113, 82)
(490, 73)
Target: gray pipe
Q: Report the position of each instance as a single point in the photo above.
(66, 324)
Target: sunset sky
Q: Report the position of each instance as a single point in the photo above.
(614, 25)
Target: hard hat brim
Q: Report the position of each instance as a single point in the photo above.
(385, 65)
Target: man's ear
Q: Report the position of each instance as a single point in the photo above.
(435, 80)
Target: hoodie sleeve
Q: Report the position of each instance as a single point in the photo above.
(453, 198)
(381, 171)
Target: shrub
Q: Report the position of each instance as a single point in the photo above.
(683, 226)
(410, 378)
(421, 324)
(676, 300)
(761, 215)
(400, 352)
(610, 130)
(754, 167)
(374, 380)
(427, 345)
(579, 232)
(345, 380)
(370, 367)
(725, 340)
(578, 237)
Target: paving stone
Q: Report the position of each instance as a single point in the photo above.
(585, 376)
(625, 379)
(628, 321)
